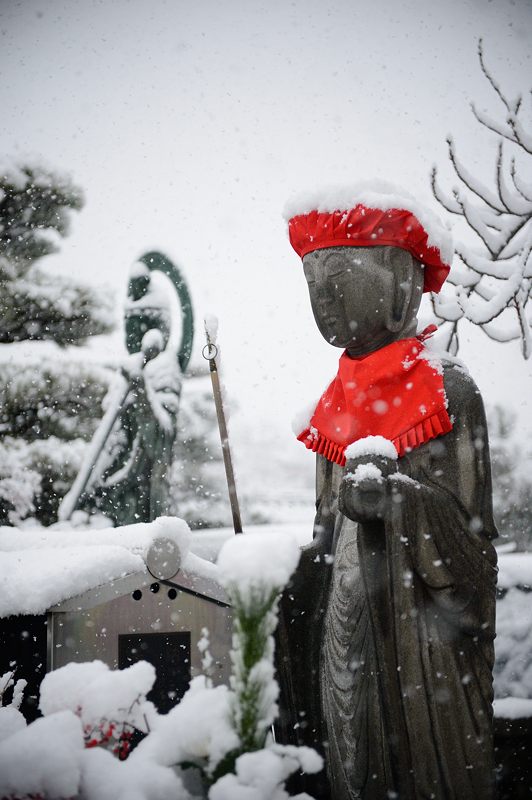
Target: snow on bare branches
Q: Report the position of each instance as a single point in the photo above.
(492, 280)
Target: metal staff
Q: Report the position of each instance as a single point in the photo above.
(210, 351)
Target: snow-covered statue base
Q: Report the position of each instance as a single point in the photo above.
(386, 642)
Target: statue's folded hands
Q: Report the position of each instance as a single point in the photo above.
(366, 491)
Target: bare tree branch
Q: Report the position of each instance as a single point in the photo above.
(492, 125)
(471, 182)
(520, 185)
(489, 76)
(525, 328)
(447, 202)
(494, 281)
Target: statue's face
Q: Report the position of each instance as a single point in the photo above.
(138, 286)
(363, 297)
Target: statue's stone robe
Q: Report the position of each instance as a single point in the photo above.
(385, 645)
(134, 485)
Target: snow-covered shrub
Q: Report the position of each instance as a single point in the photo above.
(512, 675)
(51, 396)
(35, 475)
(18, 484)
(111, 704)
(11, 720)
(254, 569)
(40, 306)
(511, 460)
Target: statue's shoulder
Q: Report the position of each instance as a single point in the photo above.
(463, 394)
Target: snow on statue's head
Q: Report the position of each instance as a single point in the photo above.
(369, 252)
(147, 308)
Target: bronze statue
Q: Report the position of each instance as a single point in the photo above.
(124, 475)
(385, 645)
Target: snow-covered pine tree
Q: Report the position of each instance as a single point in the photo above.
(49, 404)
(493, 280)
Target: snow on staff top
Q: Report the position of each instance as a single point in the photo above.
(369, 214)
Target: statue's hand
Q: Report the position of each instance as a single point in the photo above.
(365, 491)
(137, 388)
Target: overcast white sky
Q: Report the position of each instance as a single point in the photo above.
(189, 124)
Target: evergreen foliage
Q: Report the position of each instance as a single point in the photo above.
(34, 205)
(49, 406)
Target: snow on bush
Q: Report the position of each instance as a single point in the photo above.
(254, 569)
(94, 692)
(18, 485)
(105, 778)
(11, 720)
(261, 775)
(43, 759)
(198, 731)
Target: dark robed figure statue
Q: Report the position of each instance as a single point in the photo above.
(385, 645)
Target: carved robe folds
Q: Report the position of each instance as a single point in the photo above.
(385, 646)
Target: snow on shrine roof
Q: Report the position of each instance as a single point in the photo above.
(372, 194)
(42, 567)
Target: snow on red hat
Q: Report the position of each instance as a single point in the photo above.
(370, 214)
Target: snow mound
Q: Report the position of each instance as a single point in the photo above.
(43, 759)
(515, 569)
(512, 708)
(364, 472)
(198, 728)
(372, 446)
(373, 194)
(95, 691)
(106, 778)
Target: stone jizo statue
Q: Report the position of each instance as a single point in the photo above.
(124, 475)
(385, 648)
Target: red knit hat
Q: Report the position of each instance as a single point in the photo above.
(388, 218)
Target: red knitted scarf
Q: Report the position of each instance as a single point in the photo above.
(394, 392)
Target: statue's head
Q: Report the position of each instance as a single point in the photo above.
(367, 266)
(364, 298)
(146, 309)
(139, 281)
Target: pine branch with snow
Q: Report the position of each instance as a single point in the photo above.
(493, 280)
(254, 569)
(39, 306)
(35, 208)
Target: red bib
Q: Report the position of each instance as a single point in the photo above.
(394, 392)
